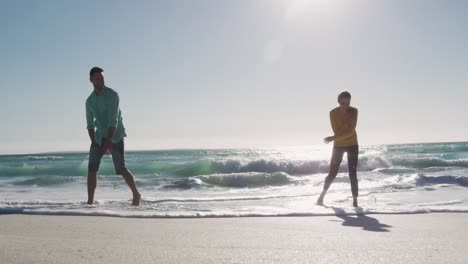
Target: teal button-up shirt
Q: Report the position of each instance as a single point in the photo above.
(102, 113)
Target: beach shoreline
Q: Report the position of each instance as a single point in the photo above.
(372, 238)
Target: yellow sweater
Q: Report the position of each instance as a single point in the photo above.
(344, 126)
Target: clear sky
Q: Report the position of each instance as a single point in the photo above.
(240, 73)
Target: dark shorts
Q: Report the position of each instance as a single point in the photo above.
(96, 152)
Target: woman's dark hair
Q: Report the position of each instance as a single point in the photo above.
(344, 95)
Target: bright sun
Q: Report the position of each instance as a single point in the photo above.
(299, 8)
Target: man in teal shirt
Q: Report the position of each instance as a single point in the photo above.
(106, 131)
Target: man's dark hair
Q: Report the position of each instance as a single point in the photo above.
(94, 70)
(344, 95)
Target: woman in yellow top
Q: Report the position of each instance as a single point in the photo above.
(343, 121)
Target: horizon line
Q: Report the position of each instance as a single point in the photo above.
(225, 148)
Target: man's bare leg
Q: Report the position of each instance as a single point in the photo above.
(92, 182)
(127, 175)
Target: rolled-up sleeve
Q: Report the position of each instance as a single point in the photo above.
(113, 112)
(89, 117)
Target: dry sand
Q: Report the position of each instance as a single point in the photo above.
(418, 238)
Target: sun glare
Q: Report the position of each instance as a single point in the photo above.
(299, 8)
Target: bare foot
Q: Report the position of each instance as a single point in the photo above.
(319, 202)
(320, 199)
(136, 199)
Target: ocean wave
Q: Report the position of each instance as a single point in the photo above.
(149, 200)
(189, 169)
(421, 180)
(290, 167)
(429, 148)
(393, 170)
(421, 163)
(45, 158)
(47, 180)
(381, 163)
(250, 179)
(233, 180)
(34, 170)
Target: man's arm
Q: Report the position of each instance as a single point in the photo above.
(113, 119)
(91, 134)
(90, 122)
(110, 133)
(113, 113)
(108, 145)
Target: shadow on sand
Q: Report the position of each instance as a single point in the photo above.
(360, 220)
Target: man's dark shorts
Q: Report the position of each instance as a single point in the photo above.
(96, 152)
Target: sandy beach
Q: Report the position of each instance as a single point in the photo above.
(417, 238)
